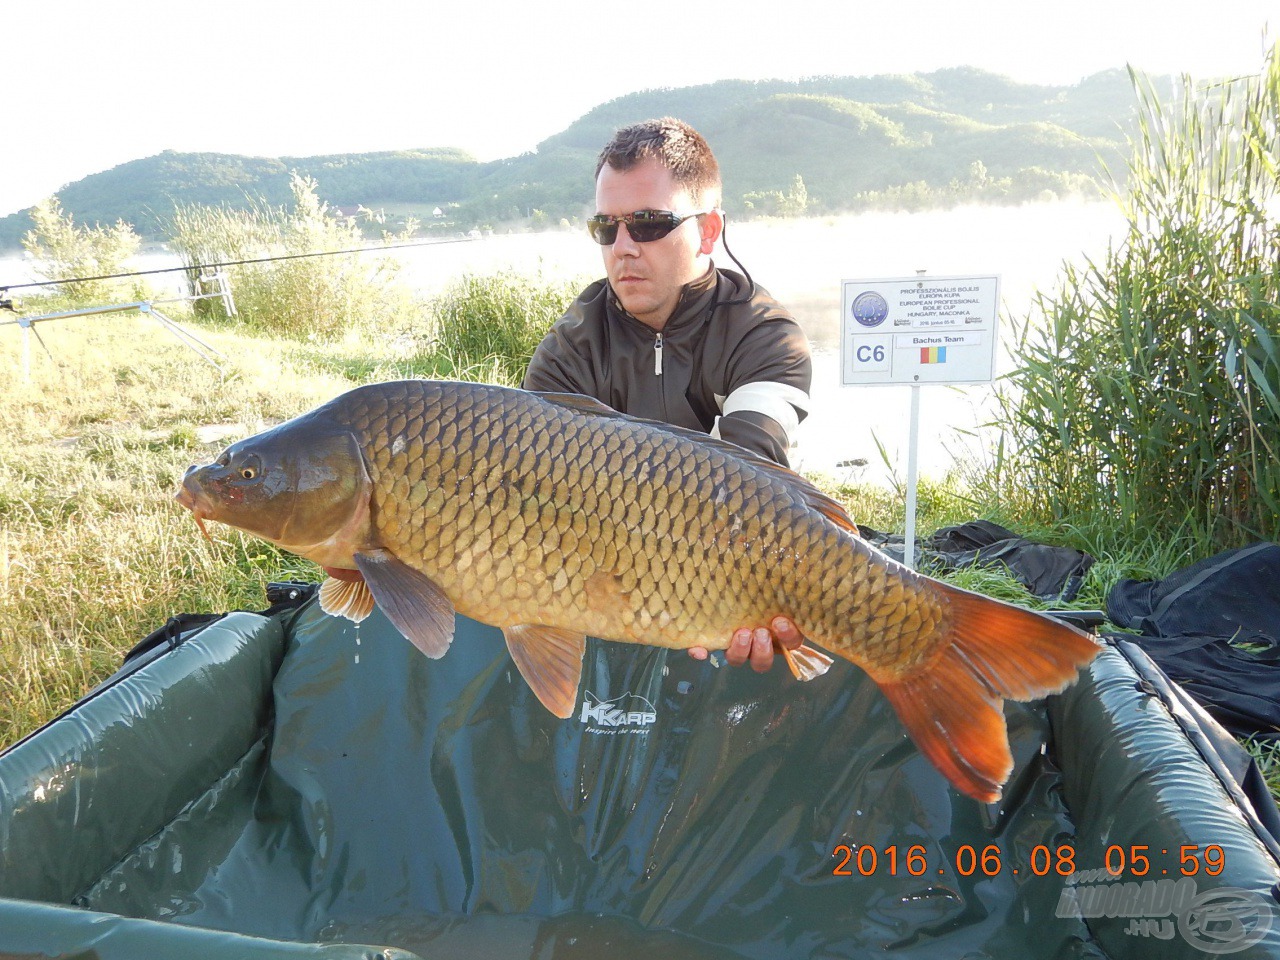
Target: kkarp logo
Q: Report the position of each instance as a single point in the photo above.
(629, 713)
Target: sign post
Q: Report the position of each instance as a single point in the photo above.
(913, 461)
(916, 331)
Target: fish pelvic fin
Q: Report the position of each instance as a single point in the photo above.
(807, 662)
(550, 660)
(346, 598)
(953, 706)
(411, 600)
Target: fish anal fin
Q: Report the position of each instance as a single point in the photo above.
(807, 662)
(953, 705)
(957, 727)
(346, 598)
(411, 600)
(550, 660)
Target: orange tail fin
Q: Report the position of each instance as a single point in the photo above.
(996, 652)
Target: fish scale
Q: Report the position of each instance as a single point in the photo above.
(553, 517)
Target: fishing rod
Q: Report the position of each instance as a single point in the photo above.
(8, 303)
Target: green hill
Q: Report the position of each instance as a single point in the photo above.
(922, 139)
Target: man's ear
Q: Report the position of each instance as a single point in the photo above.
(712, 225)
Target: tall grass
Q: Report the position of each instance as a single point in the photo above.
(494, 322)
(61, 250)
(320, 298)
(1147, 403)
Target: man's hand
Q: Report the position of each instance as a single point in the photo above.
(757, 645)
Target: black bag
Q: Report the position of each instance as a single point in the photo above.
(1050, 573)
(1193, 623)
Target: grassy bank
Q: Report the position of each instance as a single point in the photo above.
(93, 555)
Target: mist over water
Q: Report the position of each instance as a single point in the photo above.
(802, 262)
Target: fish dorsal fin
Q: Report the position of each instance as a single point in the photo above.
(815, 498)
(346, 598)
(411, 600)
(590, 405)
(580, 403)
(829, 507)
(550, 660)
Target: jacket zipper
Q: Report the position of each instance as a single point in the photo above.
(657, 356)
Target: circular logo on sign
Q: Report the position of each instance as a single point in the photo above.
(870, 309)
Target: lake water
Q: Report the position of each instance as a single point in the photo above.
(802, 262)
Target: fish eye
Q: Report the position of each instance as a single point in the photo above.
(250, 467)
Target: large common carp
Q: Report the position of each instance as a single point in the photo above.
(554, 517)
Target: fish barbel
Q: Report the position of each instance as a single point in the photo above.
(555, 517)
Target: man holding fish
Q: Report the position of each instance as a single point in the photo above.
(554, 517)
(666, 335)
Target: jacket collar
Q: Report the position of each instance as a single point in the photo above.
(692, 307)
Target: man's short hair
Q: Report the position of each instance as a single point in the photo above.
(675, 145)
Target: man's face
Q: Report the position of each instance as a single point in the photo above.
(648, 277)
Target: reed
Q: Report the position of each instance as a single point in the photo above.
(1147, 400)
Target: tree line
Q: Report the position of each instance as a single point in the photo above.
(817, 146)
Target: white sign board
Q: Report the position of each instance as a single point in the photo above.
(918, 330)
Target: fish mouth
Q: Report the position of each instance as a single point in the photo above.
(197, 504)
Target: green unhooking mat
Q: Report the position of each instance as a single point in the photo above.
(291, 785)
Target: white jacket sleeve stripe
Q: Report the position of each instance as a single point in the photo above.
(778, 401)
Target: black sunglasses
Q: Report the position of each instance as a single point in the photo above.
(643, 225)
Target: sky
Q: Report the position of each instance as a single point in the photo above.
(89, 84)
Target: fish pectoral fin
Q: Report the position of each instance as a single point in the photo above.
(807, 662)
(346, 598)
(550, 660)
(411, 600)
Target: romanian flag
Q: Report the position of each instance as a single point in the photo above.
(933, 354)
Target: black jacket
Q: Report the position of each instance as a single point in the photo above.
(708, 349)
